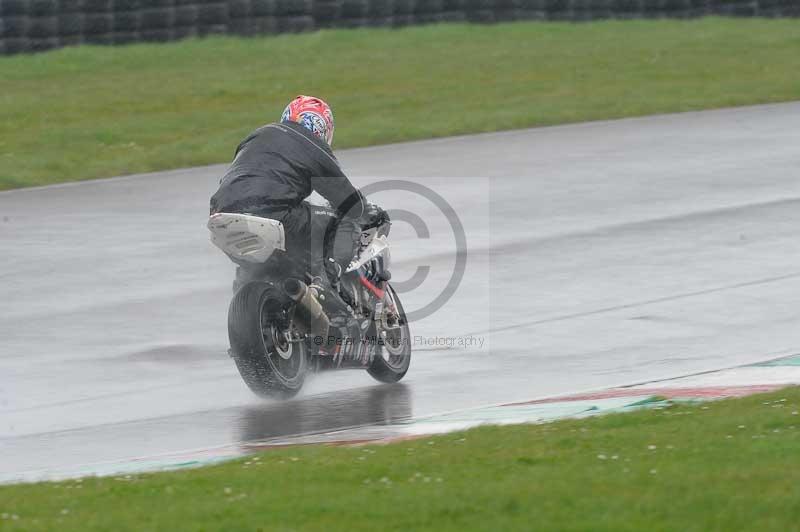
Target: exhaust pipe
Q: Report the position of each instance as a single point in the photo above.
(310, 318)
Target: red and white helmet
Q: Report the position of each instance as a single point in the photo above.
(312, 113)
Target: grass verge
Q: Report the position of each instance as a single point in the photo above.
(96, 111)
(728, 465)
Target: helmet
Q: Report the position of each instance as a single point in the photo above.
(312, 113)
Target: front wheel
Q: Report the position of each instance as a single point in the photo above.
(269, 354)
(393, 356)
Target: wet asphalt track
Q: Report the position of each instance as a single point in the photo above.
(599, 254)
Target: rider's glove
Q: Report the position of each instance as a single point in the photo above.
(374, 216)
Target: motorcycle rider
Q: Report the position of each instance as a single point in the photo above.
(273, 172)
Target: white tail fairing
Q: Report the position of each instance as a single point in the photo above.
(246, 237)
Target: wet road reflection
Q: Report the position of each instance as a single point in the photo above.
(378, 405)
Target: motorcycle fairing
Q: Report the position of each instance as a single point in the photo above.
(245, 237)
(378, 246)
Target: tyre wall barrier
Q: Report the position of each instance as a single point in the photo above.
(36, 25)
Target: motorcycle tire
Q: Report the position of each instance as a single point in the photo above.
(270, 364)
(393, 359)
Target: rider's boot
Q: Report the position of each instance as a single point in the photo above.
(338, 304)
(342, 299)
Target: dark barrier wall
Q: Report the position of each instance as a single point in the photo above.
(34, 25)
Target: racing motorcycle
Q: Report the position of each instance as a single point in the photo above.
(280, 324)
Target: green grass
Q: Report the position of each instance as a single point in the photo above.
(729, 465)
(97, 111)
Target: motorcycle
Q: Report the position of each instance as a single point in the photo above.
(279, 324)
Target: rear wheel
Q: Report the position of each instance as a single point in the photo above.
(270, 355)
(391, 362)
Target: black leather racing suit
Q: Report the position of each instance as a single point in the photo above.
(275, 169)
